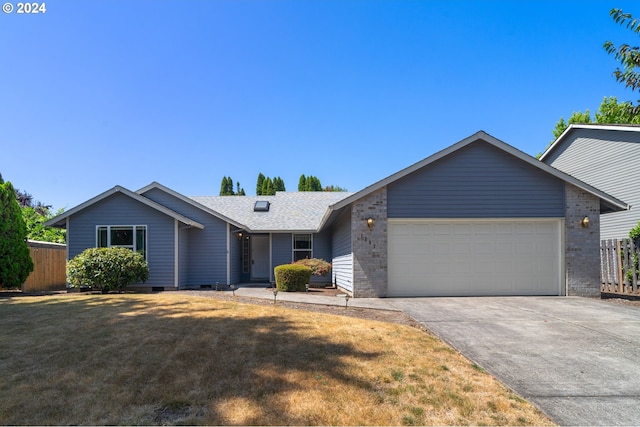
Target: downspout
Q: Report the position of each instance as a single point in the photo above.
(176, 257)
(228, 254)
(67, 248)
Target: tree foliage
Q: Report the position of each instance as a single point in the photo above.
(107, 269)
(266, 186)
(309, 183)
(226, 187)
(15, 258)
(333, 188)
(628, 56)
(36, 230)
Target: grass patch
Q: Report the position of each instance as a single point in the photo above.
(175, 359)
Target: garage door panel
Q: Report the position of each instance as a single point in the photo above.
(475, 257)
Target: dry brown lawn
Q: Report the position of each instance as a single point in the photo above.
(177, 359)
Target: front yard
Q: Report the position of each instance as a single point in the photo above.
(176, 359)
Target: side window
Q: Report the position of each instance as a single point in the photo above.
(302, 244)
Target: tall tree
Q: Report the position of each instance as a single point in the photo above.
(302, 183)
(226, 187)
(278, 184)
(627, 55)
(309, 183)
(267, 187)
(259, 184)
(239, 190)
(15, 259)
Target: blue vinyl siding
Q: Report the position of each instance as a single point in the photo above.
(605, 159)
(281, 250)
(119, 209)
(207, 253)
(322, 245)
(477, 181)
(341, 234)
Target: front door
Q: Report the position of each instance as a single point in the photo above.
(260, 257)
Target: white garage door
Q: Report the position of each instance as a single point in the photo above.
(474, 257)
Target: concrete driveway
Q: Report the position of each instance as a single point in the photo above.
(577, 359)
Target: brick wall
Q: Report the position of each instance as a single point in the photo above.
(582, 253)
(369, 245)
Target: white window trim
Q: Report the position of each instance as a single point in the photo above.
(293, 245)
(134, 247)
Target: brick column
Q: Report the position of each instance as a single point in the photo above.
(369, 245)
(582, 244)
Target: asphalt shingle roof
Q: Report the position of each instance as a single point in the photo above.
(288, 211)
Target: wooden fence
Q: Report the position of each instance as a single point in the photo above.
(619, 269)
(49, 267)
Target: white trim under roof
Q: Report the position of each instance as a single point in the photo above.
(58, 220)
(483, 136)
(189, 201)
(595, 126)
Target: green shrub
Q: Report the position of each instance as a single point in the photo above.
(292, 277)
(15, 257)
(107, 269)
(319, 267)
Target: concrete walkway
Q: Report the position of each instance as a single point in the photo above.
(262, 291)
(577, 359)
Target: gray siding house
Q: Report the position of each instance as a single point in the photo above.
(478, 218)
(604, 156)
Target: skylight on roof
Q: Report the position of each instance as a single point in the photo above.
(261, 206)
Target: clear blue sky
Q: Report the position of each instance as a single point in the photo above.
(102, 93)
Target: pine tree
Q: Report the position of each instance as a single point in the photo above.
(267, 187)
(259, 184)
(15, 259)
(302, 183)
(226, 187)
(278, 184)
(240, 190)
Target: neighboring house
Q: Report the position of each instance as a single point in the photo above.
(478, 218)
(605, 156)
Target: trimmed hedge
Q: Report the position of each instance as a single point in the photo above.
(292, 277)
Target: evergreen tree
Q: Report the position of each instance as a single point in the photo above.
(15, 259)
(267, 187)
(226, 187)
(278, 184)
(309, 183)
(240, 190)
(259, 184)
(314, 183)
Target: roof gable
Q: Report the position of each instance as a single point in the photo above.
(60, 220)
(577, 127)
(607, 201)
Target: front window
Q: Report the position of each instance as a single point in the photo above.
(133, 237)
(302, 244)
